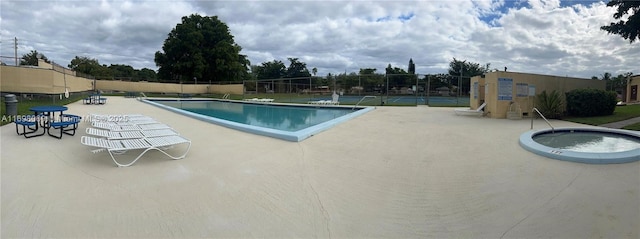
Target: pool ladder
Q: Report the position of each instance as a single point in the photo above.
(366, 96)
(544, 118)
(226, 96)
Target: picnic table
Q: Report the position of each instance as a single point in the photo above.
(47, 117)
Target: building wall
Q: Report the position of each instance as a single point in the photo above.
(633, 84)
(502, 89)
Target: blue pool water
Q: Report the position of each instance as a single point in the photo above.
(288, 122)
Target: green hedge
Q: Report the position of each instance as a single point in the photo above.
(590, 102)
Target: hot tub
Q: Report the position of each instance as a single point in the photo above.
(584, 145)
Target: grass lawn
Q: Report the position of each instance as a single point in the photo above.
(635, 127)
(24, 105)
(620, 113)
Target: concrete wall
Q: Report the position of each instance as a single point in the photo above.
(40, 80)
(107, 85)
(501, 89)
(45, 80)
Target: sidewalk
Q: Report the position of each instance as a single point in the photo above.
(620, 124)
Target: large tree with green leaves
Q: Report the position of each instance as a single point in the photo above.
(297, 69)
(146, 74)
(469, 69)
(122, 71)
(31, 58)
(628, 16)
(369, 80)
(270, 70)
(201, 47)
(90, 66)
(465, 70)
(398, 77)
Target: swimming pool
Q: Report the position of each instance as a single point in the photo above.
(584, 145)
(288, 122)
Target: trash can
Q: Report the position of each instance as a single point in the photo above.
(11, 104)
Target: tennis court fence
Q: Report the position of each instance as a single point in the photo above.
(394, 90)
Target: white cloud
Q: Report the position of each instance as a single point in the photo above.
(537, 36)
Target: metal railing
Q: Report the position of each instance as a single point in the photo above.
(544, 118)
(366, 96)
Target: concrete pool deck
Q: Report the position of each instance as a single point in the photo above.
(395, 172)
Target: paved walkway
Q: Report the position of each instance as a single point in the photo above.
(620, 124)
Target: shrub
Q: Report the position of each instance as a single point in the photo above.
(550, 105)
(590, 102)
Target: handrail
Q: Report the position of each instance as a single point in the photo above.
(545, 119)
(226, 96)
(366, 96)
(143, 95)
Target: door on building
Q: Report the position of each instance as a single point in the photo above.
(634, 93)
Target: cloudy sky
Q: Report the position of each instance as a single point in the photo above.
(535, 36)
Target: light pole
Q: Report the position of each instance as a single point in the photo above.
(459, 86)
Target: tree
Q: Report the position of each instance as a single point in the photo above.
(466, 70)
(203, 48)
(271, 70)
(370, 81)
(31, 58)
(619, 83)
(629, 29)
(398, 77)
(297, 69)
(469, 69)
(607, 78)
(412, 67)
(437, 80)
(91, 67)
(147, 74)
(122, 71)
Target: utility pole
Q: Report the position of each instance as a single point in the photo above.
(15, 47)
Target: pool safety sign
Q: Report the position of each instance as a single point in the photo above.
(505, 89)
(522, 90)
(475, 90)
(532, 90)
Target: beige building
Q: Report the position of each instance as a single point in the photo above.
(631, 95)
(513, 93)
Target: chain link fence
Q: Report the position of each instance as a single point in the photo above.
(372, 90)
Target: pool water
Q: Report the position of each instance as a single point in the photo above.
(591, 145)
(588, 141)
(288, 122)
(287, 118)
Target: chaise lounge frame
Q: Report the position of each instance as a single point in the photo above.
(121, 146)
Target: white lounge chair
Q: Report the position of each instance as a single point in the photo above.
(129, 126)
(129, 134)
(121, 146)
(334, 99)
(477, 112)
(117, 117)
